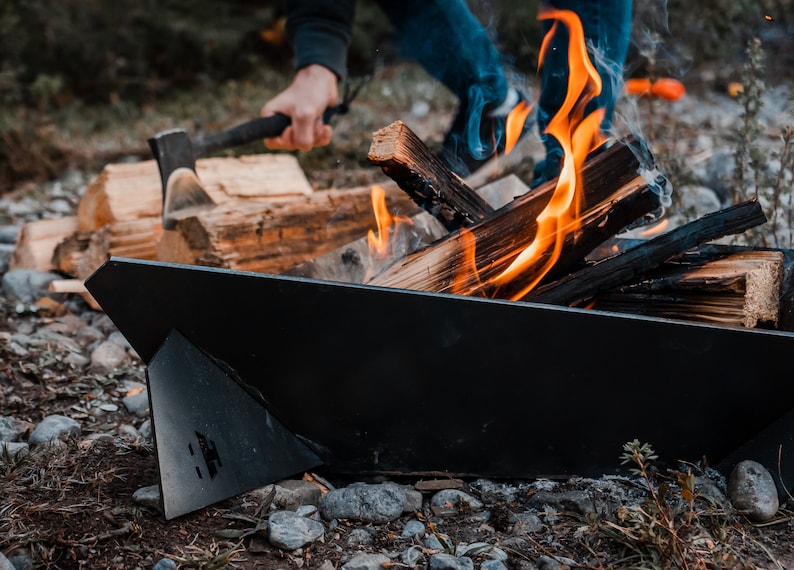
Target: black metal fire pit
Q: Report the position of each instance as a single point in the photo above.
(256, 377)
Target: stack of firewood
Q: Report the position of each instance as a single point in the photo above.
(268, 219)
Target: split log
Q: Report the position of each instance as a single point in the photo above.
(741, 289)
(82, 253)
(273, 237)
(74, 286)
(579, 287)
(130, 191)
(354, 262)
(615, 195)
(406, 159)
(37, 240)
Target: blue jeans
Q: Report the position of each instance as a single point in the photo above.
(607, 29)
(452, 46)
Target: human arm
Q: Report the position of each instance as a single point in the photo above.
(320, 32)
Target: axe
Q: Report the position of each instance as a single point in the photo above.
(176, 156)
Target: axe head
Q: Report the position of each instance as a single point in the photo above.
(182, 190)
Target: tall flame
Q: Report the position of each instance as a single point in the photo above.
(578, 134)
(381, 243)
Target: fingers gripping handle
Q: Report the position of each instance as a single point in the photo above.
(250, 131)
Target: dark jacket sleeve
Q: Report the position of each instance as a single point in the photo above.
(320, 32)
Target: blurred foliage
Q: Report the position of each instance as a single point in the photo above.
(62, 53)
(55, 51)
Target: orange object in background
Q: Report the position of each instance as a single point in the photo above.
(664, 88)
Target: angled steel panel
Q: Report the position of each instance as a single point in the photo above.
(387, 380)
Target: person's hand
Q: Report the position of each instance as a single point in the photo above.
(313, 89)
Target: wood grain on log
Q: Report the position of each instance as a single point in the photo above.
(409, 162)
(740, 288)
(271, 237)
(37, 240)
(129, 191)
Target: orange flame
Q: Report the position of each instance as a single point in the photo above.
(578, 134)
(469, 265)
(381, 244)
(515, 124)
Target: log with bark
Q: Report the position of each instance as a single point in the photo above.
(728, 286)
(130, 191)
(273, 237)
(615, 195)
(403, 157)
(581, 286)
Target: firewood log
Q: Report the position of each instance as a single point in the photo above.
(353, 262)
(407, 160)
(615, 195)
(37, 240)
(271, 237)
(577, 288)
(129, 191)
(736, 288)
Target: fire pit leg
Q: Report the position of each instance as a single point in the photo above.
(214, 437)
(772, 447)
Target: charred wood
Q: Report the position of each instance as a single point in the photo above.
(409, 162)
(741, 289)
(615, 195)
(580, 287)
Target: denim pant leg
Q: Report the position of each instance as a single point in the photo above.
(607, 26)
(452, 45)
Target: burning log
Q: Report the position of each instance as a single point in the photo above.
(271, 237)
(354, 262)
(406, 159)
(579, 287)
(734, 288)
(615, 195)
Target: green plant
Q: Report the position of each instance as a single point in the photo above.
(674, 527)
(752, 176)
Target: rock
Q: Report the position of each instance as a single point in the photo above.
(413, 528)
(164, 564)
(366, 562)
(443, 561)
(13, 450)
(54, 427)
(289, 494)
(137, 403)
(11, 429)
(27, 285)
(290, 531)
(360, 537)
(455, 499)
(364, 502)
(752, 491)
(109, 356)
(148, 497)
